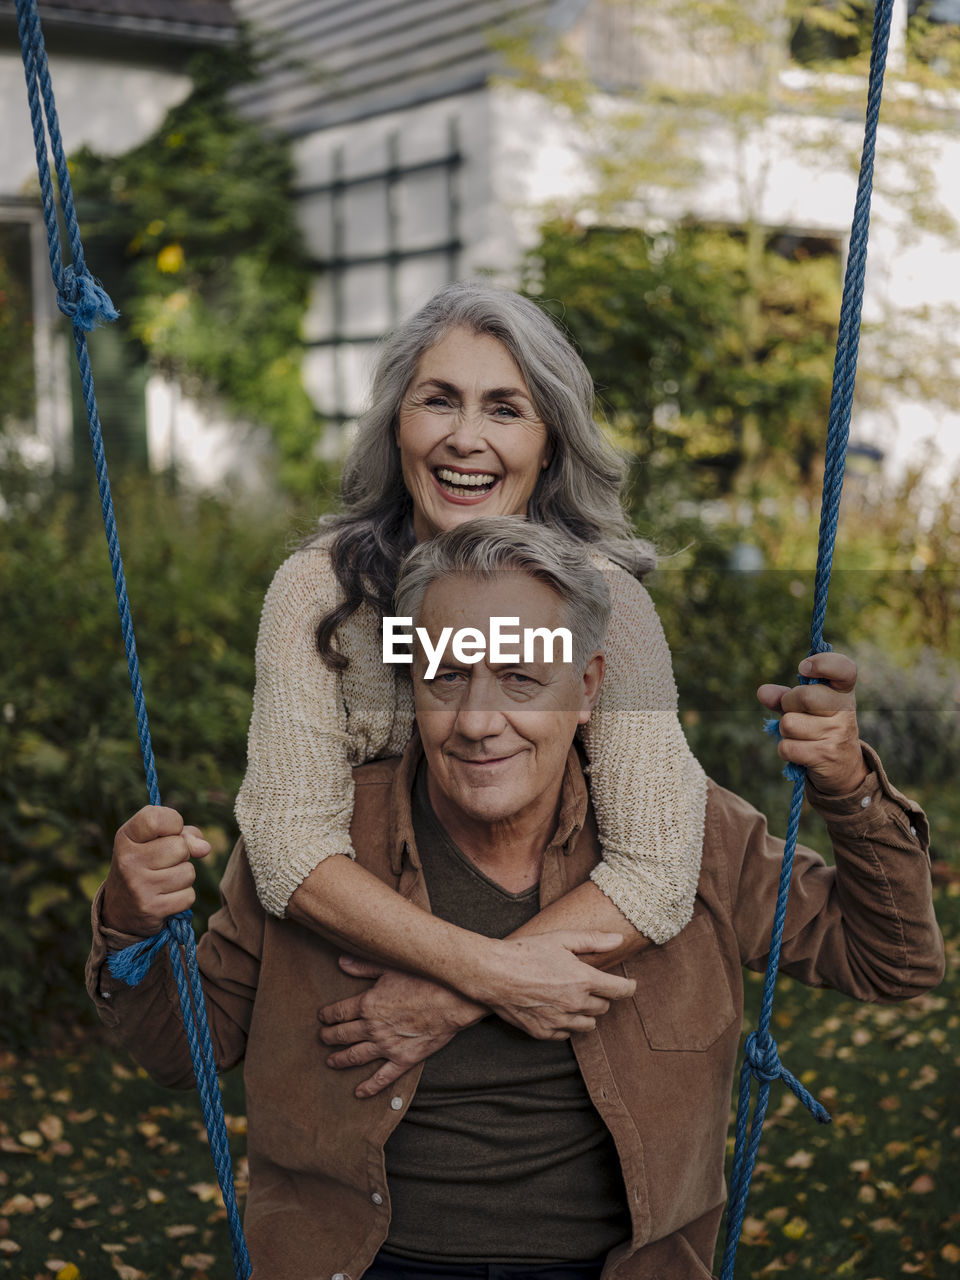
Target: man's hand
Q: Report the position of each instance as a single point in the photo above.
(151, 873)
(818, 726)
(537, 983)
(401, 1019)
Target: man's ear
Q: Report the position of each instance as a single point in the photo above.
(592, 680)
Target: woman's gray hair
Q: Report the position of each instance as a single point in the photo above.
(489, 546)
(577, 493)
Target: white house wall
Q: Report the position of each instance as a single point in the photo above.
(105, 106)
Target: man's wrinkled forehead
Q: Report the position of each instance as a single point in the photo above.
(505, 618)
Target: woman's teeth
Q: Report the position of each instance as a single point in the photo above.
(465, 484)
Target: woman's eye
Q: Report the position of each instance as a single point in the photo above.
(506, 411)
(439, 402)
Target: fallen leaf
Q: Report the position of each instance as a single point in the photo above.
(126, 1272)
(179, 1230)
(795, 1229)
(197, 1261)
(17, 1204)
(69, 1271)
(206, 1191)
(9, 1246)
(799, 1160)
(923, 1185)
(51, 1127)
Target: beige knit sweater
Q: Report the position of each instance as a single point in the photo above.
(311, 725)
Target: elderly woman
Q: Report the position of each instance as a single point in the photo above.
(479, 406)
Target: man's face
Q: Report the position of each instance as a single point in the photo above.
(496, 735)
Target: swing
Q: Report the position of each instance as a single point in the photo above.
(86, 304)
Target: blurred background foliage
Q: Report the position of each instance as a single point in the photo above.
(70, 768)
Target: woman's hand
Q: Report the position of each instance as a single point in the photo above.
(151, 873)
(538, 984)
(818, 725)
(401, 1019)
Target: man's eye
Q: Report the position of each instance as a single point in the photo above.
(519, 678)
(447, 677)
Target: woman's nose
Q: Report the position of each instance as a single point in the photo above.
(466, 435)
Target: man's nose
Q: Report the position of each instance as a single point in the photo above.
(480, 715)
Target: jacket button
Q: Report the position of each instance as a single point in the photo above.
(397, 1104)
(865, 802)
(377, 1198)
(338, 1275)
(913, 831)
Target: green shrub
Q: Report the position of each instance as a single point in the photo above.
(70, 768)
(911, 713)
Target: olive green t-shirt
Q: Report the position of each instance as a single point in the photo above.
(501, 1156)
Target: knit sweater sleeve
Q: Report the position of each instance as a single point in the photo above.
(648, 790)
(296, 800)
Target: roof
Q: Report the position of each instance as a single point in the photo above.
(168, 22)
(340, 60)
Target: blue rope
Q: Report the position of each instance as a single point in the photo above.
(761, 1059)
(85, 302)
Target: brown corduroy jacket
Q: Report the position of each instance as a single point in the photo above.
(659, 1067)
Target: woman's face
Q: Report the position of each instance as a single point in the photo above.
(471, 443)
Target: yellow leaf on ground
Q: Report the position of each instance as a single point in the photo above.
(51, 1127)
(17, 1204)
(206, 1191)
(799, 1160)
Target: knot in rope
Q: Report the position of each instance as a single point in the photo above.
(180, 927)
(83, 300)
(760, 1054)
(132, 964)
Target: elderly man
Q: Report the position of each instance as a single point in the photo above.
(595, 1146)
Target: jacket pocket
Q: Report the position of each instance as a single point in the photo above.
(683, 995)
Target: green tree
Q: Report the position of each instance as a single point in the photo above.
(713, 370)
(194, 234)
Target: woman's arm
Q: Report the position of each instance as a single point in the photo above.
(533, 979)
(649, 792)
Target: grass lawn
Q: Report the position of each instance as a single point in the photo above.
(105, 1175)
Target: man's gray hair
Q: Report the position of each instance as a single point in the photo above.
(488, 546)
